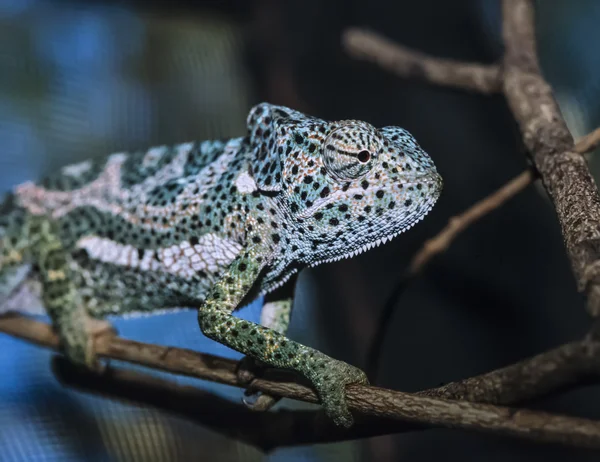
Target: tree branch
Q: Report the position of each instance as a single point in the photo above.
(385, 407)
(407, 63)
(564, 172)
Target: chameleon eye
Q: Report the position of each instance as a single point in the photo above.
(343, 159)
(364, 156)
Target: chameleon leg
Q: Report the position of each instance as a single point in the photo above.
(327, 375)
(275, 315)
(59, 293)
(25, 238)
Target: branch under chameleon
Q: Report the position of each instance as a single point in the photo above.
(381, 411)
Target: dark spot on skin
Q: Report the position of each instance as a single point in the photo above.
(299, 139)
(343, 208)
(408, 203)
(294, 207)
(276, 238)
(295, 170)
(334, 221)
(308, 179)
(365, 184)
(379, 194)
(391, 205)
(256, 239)
(243, 266)
(325, 192)
(194, 240)
(318, 216)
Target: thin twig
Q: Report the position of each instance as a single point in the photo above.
(459, 223)
(409, 63)
(369, 401)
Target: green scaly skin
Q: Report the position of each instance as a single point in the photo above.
(214, 224)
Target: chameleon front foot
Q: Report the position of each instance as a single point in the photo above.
(329, 378)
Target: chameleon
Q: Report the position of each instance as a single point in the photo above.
(212, 225)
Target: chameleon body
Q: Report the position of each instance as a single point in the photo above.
(213, 224)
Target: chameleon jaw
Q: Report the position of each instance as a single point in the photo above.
(371, 245)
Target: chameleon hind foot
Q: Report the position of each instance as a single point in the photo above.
(79, 345)
(247, 370)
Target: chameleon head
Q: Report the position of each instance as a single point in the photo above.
(350, 186)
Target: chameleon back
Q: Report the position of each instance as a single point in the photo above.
(124, 220)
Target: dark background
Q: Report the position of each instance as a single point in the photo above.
(81, 79)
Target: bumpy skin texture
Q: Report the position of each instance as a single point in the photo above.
(213, 224)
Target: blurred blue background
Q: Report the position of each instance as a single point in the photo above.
(80, 79)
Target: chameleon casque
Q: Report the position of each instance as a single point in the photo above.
(212, 225)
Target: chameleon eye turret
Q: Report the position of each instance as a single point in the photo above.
(207, 224)
(350, 151)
